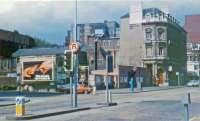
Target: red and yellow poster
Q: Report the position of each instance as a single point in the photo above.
(38, 70)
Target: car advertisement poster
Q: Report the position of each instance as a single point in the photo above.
(38, 70)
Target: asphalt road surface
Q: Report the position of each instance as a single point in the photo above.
(162, 105)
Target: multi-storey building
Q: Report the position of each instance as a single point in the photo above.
(98, 38)
(109, 29)
(192, 26)
(9, 43)
(193, 58)
(103, 45)
(153, 39)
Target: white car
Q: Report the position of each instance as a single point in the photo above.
(193, 83)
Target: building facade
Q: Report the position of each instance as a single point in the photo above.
(192, 26)
(193, 58)
(109, 29)
(9, 43)
(153, 39)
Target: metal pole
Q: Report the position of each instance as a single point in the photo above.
(107, 90)
(71, 78)
(95, 55)
(75, 64)
(178, 80)
(71, 91)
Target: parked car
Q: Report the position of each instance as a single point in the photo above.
(193, 83)
(84, 89)
(81, 88)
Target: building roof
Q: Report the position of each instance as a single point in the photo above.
(39, 51)
(42, 51)
(144, 11)
(125, 16)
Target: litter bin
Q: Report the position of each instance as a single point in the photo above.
(20, 106)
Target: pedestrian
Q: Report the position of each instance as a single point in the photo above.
(133, 79)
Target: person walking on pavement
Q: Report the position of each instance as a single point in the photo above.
(132, 79)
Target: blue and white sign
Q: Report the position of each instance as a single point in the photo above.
(20, 100)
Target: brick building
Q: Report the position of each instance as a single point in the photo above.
(192, 27)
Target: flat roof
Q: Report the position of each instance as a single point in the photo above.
(39, 51)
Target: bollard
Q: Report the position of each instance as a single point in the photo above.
(94, 90)
(20, 106)
(110, 96)
(186, 101)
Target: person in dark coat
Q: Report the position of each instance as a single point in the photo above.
(133, 80)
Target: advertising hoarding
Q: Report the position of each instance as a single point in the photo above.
(38, 70)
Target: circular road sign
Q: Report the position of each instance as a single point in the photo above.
(74, 47)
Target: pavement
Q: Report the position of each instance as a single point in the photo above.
(38, 107)
(162, 105)
(8, 98)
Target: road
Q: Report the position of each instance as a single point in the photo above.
(162, 105)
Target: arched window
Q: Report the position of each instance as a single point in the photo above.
(161, 34)
(148, 32)
(148, 17)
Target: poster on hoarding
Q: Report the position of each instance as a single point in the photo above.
(38, 70)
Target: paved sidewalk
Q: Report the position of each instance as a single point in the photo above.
(145, 89)
(34, 113)
(7, 101)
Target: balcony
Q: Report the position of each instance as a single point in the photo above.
(162, 57)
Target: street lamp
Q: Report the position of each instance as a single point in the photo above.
(177, 74)
(170, 69)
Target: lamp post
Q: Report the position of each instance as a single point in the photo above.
(95, 53)
(177, 74)
(169, 70)
(75, 63)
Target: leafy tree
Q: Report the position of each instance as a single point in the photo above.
(43, 43)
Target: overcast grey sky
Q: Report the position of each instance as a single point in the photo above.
(50, 19)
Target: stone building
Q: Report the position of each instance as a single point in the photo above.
(153, 39)
(192, 26)
(109, 29)
(193, 58)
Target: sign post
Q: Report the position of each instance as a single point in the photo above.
(109, 68)
(74, 47)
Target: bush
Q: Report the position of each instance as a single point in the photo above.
(6, 87)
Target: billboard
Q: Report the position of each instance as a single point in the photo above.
(38, 70)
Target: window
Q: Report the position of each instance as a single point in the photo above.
(196, 67)
(161, 51)
(149, 51)
(191, 58)
(148, 33)
(148, 17)
(161, 34)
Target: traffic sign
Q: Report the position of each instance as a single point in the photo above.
(74, 47)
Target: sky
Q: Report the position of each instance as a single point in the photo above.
(50, 19)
